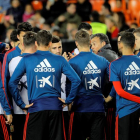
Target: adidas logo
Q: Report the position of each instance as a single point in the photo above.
(133, 69)
(91, 68)
(44, 66)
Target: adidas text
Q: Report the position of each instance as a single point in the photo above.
(91, 71)
(44, 69)
(132, 72)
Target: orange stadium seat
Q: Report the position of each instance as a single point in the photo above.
(114, 8)
(37, 5)
(97, 4)
(133, 8)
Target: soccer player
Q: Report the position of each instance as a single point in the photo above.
(22, 29)
(43, 70)
(14, 41)
(88, 118)
(136, 33)
(19, 115)
(125, 75)
(4, 134)
(88, 28)
(56, 48)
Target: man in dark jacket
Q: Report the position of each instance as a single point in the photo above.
(100, 45)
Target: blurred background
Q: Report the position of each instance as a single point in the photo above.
(62, 17)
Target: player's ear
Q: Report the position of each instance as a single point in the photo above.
(36, 44)
(18, 37)
(76, 43)
(134, 47)
(50, 44)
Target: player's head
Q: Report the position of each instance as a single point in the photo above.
(29, 40)
(98, 41)
(13, 38)
(22, 29)
(82, 38)
(85, 26)
(56, 47)
(136, 33)
(127, 41)
(118, 41)
(44, 39)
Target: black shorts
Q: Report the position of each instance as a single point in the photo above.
(44, 125)
(110, 124)
(128, 127)
(18, 122)
(4, 134)
(83, 125)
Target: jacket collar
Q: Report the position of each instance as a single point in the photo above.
(107, 46)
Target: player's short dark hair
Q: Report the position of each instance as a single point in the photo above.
(121, 33)
(13, 35)
(137, 31)
(25, 27)
(95, 15)
(55, 39)
(82, 37)
(131, 30)
(44, 37)
(107, 6)
(128, 39)
(102, 37)
(29, 39)
(85, 26)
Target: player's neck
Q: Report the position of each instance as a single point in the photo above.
(84, 49)
(43, 48)
(30, 50)
(127, 52)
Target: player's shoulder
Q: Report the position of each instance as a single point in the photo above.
(117, 61)
(8, 53)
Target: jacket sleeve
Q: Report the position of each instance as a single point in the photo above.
(2, 47)
(13, 83)
(3, 98)
(74, 78)
(121, 92)
(5, 76)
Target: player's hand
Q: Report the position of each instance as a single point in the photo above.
(71, 55)
(25, 111)
(63, 101)
(28, 106)
(69, 107)
(9, 119)
(65, 56)
(7, 47)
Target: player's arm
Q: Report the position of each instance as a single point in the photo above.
(5, 76)
(111, 95)
(75, 81)
(118, 87)
(13, 84)
(121, 92)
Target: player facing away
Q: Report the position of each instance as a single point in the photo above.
(43, 70)
(125, 74)
(21, 29)
(88, 119)
(19, 115)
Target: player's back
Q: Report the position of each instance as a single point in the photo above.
(91, 69)
(128, 73)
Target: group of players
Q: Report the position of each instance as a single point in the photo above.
(35, 74)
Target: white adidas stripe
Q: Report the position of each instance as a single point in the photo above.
(93, 65)
(44, 64)
(133, 66)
